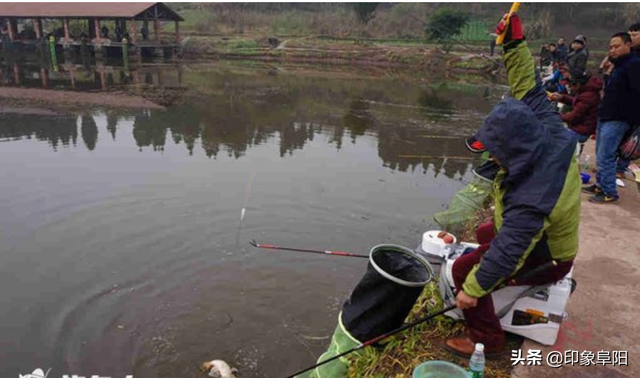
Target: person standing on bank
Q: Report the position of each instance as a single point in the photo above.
(577, 58)
(622, 165)
(616, 114)
(634, 33)
(561, 50)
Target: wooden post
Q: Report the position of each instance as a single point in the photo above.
(156, 26)
(40, 27)
(177, 33)
(37, 27)
(44, 76)
(96, 24)
(16, 73)
(103, 81)
(133, 31)
(65, 23)
(72, 74)
(145, 30)
(10, 28)
(92, 29)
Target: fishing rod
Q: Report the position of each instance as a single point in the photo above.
(365, 344)
(333, 253)
(437, 157)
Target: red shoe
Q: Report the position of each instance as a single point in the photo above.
(464, 347)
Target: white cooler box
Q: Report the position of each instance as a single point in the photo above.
(535, 313)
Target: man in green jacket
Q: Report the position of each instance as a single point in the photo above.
(537, 198)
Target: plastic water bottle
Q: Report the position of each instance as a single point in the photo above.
(585, 163)
(476, 364)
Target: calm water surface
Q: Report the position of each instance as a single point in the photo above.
(121, 246)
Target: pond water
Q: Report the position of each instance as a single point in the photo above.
(122, 249)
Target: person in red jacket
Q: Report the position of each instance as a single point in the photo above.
(583, 117)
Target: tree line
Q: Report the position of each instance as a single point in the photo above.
(399, 20)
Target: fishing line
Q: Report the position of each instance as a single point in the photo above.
(243, 211)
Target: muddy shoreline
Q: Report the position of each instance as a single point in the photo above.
(447, 66)
(31, 96)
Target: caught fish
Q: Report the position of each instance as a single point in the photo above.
(219, 369)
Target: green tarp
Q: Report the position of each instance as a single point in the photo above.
(464, 206)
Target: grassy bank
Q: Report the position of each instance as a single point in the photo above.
(423, 343)
(327, 50)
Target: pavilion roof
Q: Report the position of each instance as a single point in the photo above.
(138, 11)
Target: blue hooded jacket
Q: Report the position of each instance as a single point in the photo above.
(537, 192)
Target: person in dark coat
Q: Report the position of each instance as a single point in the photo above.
(105, 32)
(118, 32)
(577, 58)
(562, 50)
(583, 38)
(144, 30)
(583, 117)
(554, 52)
(545, 55)
(537, 198)
(634, 32)
(622, 166)
(618, 111)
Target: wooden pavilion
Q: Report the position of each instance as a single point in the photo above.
(130, 23)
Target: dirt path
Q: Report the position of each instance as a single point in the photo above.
(115, 100)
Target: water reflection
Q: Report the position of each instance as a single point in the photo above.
(89, 132)
(162, 85)
(399, 149)
(358, 119)
(55, 130)
(435, 107)
(112, 125)
(231, 109)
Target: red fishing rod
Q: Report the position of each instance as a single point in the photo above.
(332, 253)
(524, 276)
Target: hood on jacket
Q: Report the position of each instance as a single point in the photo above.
(594, 84)
(513, 134)
(589, 83)
(535, 153)
(580, 39)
